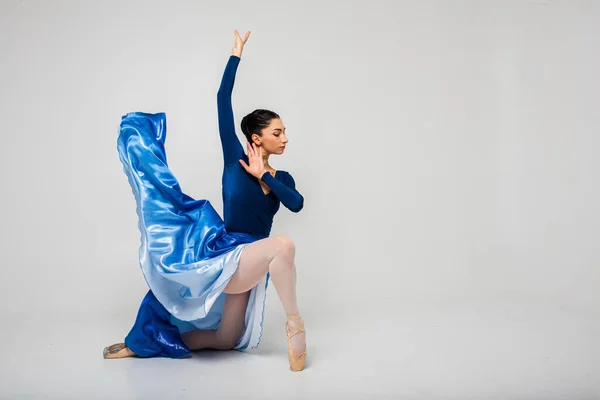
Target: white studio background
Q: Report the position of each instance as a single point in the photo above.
(446, 150)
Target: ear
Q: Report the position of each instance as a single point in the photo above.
(256, 139)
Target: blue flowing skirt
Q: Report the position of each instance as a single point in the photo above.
(186, 255)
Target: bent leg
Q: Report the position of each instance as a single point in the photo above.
(117, 350)
(275, 255)
(253, 264)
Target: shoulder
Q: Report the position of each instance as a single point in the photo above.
(286, 178)
(284, 175)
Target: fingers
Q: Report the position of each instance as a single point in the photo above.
(246, 166)
(246, 36)
(254, 151)
(258, 152)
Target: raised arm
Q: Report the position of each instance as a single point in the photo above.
(285, 191)
(232, 148)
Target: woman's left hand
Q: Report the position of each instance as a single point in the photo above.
(255, 157)
(238, 46)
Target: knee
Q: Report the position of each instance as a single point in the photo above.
(286, 246)
(227, 341)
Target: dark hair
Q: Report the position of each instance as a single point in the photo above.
(256, 121)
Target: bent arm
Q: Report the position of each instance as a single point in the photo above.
(232, 148)
(285, 192)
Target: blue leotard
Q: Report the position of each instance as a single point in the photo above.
(188, 252)
(245, 206)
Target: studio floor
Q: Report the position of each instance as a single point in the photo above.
(416, 348)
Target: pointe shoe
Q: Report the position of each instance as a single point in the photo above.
(296, 362)
(117, 350)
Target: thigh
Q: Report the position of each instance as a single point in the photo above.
(254, 264)
(230, 329)
(234, 313)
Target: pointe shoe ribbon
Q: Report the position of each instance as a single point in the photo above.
(296, 362)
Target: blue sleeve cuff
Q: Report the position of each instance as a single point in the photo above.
(267, 177)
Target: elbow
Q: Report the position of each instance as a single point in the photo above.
(299, 205)
(223, 92)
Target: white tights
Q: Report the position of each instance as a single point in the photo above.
(273, 254)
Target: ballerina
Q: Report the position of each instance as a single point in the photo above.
(208, 276)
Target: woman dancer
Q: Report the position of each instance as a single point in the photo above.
(208, 276)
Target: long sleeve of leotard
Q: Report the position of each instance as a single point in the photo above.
(285, 191)
(232, 148)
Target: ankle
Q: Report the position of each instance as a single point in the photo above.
(294, 317)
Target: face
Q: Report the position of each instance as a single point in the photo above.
(273, 139)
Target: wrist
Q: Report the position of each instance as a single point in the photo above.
(237, 53)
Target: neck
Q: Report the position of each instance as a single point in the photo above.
(266, 161)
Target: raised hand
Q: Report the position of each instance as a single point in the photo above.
(255, 157)
(238, 46)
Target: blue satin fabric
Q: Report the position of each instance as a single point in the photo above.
(186, 255)
(153, 334)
